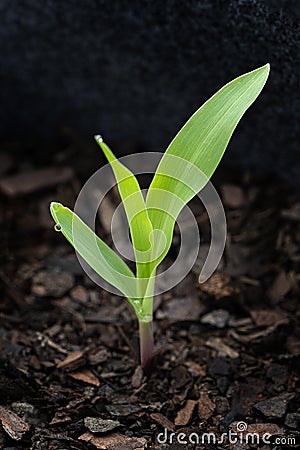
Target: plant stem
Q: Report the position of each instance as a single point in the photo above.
(146, 345)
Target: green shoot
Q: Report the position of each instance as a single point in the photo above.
(185, 168)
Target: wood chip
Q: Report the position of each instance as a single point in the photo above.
(266, 318)
(163, 421)
(52, 283)
(263, 428)
(180, 377)
(29, 182)
(86, 376)
(195, 369)
(99, 425)
(275, 407)
(293, 345)
(217, 318)
(14, 426)
(122, 409)
(222, 349)
(259, 334)
(114, 441)
(97, 356)
(80, 294)
(219, 286)
(71, 361)
(293, 213)
(60, 417)
(184, 414)
(181, 309)
(292, 420)
(137, 377)
(205, 406)
(280, 287)
(260, 428)
(233, 196)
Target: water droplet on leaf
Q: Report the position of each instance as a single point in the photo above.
(99, 138)
(57, 227)
(147, 317)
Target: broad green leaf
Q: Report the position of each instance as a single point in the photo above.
(96, 253)
(197, 149)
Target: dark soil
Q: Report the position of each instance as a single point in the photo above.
(227, 351)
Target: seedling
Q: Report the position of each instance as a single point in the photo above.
(196, 149)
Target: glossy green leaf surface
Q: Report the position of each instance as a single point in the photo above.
(197, 149)
(133, 201)
(96, 252)
(137, 216)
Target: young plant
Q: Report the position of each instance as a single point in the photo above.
(183, 171)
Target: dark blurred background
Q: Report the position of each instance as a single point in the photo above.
(135, 71)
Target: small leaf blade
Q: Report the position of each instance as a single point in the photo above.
(96, 253)
(137, 216)
(132, 198)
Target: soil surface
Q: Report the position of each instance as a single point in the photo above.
(227, 350)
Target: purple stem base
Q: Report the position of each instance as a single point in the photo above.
(146, 346)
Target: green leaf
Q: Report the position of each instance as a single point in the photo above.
(137, 216)
(197, 149)
(96, 253)
(132, 198)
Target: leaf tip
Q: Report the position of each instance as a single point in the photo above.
(54, 208)
(106, 150)
(267, 68)
(98, 138)
(264, 70)
(261, 74)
